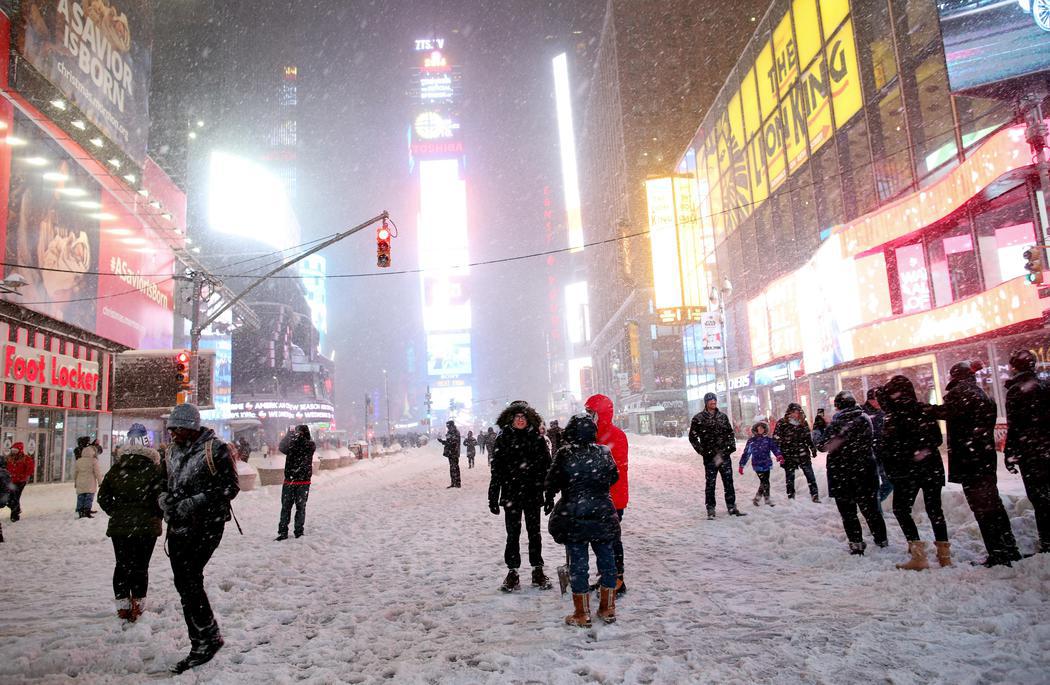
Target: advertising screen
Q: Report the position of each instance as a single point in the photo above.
(247, 200)
(98, 54)
(448, 354)
(986, 42)
(313, 270)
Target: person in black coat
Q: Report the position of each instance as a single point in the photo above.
(298, 448)
(470, 442)
(970, 417)
(554, 435)
(585, 515)
(910, 442)
(852, 477)
(873, 408)
(520, 461)
(793, 436)
(451, 452)
(1027, 444)
(712, 437)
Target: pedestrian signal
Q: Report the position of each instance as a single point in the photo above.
(1033, 265)
(383, 246)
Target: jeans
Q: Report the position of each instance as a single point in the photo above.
(807, 471)
(579, 565)
(723, 466)
(617, 545)
(1036, 476)
(470, 461)
(14, 503)
(84, 501)
(885, 486)
(869, 507)
(763, 485)
(453, 471)
(906, 490)
(982, 494)
(131, 572)
(190, 553)
(512, 553)
(297, 495)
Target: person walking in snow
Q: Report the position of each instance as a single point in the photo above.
(873, 409)
(129, 494)
(554, 435)
(970, 417)
(520, 461)
(86, 475)
(852, 477)
(760, 449)
(712, 437)
(470, 442)
(21, 466)
(795, 441)
(490, 442)
(600, 408)
(200, 480)
(1027, 445)
(910, 442)
(583, 472)
(451, 452)
(298, 448)
(820, 424)
(482, 441)
(6, 488)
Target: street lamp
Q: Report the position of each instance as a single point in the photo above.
(386, 397)
(718, 298)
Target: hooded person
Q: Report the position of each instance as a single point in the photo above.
(712, 437)
(795, 441)
(1027, 446)
(451, 442)
(200, 480)
(520, 461)
(600, 408)
(970, 417)
(912, 458)
(298, 447)
(585, 515)
(21, 466)
(86, 475)
(128, 494)
(6, 487)
(761, 449)
(471, 443)
(853, 480)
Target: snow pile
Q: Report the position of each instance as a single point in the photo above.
(396, 579)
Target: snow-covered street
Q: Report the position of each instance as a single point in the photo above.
(397, 576)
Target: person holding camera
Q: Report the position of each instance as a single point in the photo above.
(298, 450)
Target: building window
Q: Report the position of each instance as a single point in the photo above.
(889, 145)
(857, 180)
(917, 26)
(825, 166)
(913, 279)
(1005, 228)
(980, 117)
(807, 226)
(953, 264)
(930, 116)
(875, 45)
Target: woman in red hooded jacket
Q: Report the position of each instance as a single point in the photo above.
(601, 408)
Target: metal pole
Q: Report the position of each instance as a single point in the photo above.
(1035, 135)
(190, 395)
(386, 397)
(725, 353)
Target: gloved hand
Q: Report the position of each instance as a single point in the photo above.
(741, 470)
(164, 502)
(494, 508)
(548, 507)
(1011, 464)
(184, 507)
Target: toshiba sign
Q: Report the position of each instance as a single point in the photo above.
(45, 369)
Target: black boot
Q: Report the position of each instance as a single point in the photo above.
(200, 654)
(621, 587)
(710, 514)
(736, 512)
(511, 582)
(540, 579)
(281, 536)
(857, 548)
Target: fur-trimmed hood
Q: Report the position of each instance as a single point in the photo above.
(139, 450)
(506, 416)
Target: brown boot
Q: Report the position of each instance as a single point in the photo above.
(137, 608)
(124, 609)
(918, 561)
(607, 604)
(581, 615)
(944, 553)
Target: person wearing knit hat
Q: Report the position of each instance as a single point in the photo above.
(21, 466)
(712, 437)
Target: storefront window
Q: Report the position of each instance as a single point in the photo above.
(889, 145)
(1005, 228)
(913, 278)
(930, 115)
(953, 265)
(1038, 343)
(975, 353)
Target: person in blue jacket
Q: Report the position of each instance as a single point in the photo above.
(760, 449)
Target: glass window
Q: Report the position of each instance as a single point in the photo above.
(1005, 228)
(913, 278)
(917, 26)
(807, 226)
(875, 45)
(857, 181)
(979, 117)
(930, 115)
(825, 166)
(889, 145)
(783, 227)
(953, 265)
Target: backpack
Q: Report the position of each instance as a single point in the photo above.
(210, 461)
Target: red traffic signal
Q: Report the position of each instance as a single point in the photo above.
(383, 246)
(182, 369)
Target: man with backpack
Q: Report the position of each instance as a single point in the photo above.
(200, 480)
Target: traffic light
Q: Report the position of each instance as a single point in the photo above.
(1033, 265)
(182, 369)
(383, 246)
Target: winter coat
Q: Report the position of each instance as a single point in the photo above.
(711, 435)
(795, 443)
(910, 437)
(852, 474)
(6, 485)
(616, 440)
(520, 461)
(129, 493)
(1027, 412)
(470, 443)
(554, 435)
(299, 458)
(878, 420)
(583, 474)
(86, 472)
(21, 467)
(451, 443)
(759, 449)
(196, 497)
(970, 417)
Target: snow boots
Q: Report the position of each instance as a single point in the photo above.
(621, 587)
(200, 653)
(736, 512)
(137, 608)
(607, 604)
(710, 514)
(918, 561)
(540, 579)
(581, 614)
(944, 553)
(511, 582)
(857, 548)
(124, 609)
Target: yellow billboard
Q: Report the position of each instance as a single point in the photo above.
(815, 92)
(767, 80)
(841, 55)
(785, 57)
(663, 241)
(807, 30)
(832, 12)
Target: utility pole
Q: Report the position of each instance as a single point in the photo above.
(386, 397)
(1031, 109)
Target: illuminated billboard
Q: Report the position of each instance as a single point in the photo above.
(990, 42)
(448, 354)
(313, 270)
(567, 143)
(247, 200)
(677, 246)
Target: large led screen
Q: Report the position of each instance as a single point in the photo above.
(988, 41)
(448, 354)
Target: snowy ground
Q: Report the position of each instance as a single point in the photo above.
(396, 579)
